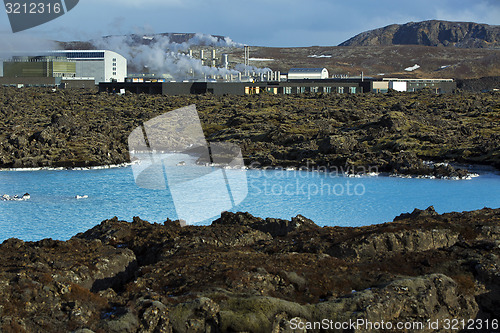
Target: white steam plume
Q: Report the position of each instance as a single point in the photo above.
(162, 56)
(209, 40)
(23, 44)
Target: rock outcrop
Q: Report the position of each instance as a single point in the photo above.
(275, 227)
(431, 33)
(394, 133)
(247, 274)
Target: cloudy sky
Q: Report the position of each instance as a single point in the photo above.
(257, 22)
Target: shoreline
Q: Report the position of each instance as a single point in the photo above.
(98, 167)
(263, 218)
(478, 170)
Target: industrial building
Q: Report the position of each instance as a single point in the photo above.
(307, 74)
(296, 81)
(64, 82)
(75, 67)
(40, 66)
(102, 65)
(43, 71)
(240, 88)
(79, 68)
(289, 87)
(439, 86)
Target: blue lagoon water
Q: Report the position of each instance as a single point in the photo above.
(54, 212)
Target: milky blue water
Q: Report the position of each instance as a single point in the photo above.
(54, 212)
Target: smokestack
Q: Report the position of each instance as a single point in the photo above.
(202, 56)
(190, 53)
(247, 59)
(214, 59)
(225, 60)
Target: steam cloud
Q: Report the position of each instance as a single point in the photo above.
(20, 44)
(161, 55)
(158, 53)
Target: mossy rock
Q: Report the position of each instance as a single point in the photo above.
(256, 314)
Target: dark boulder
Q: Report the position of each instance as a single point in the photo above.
(275, 227)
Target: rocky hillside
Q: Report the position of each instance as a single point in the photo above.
(247, 274)
(480, 85)
(431, 33)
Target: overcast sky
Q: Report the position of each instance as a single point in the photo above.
(257, 22)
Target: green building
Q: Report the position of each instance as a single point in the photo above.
(44, 66)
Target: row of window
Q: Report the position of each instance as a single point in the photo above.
(114, 66)
(63, 74)
(301, 90)
(436, 90)
(28, 85)
(423, 84)
(77, 55)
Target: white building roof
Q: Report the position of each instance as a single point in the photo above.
(85, 54)
(306, 70)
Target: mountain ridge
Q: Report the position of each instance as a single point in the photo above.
(431, 33)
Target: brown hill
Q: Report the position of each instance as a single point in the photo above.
(434, 62)
(431, 33)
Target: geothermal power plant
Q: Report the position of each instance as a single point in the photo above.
(196, 70)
